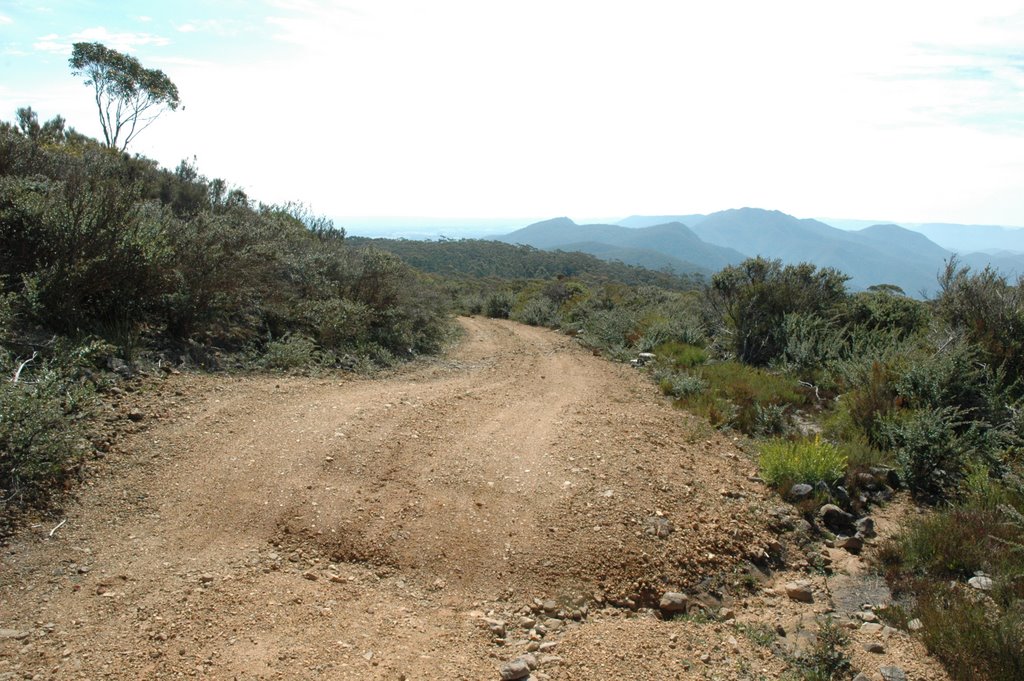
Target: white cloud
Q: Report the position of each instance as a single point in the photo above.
(121, 41)
(906, 110)
(5, 20)
(219, 27)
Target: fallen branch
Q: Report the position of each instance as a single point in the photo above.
(22, 365)
(58, 526)
(811, 385)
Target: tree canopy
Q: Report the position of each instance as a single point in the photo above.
(129, 97)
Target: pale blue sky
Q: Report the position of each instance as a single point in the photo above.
(910, 111)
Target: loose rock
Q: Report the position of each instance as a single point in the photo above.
(836, 519)
(800, 591)
(800, 491)
(674, 602)
(892, 674)
(850, 544)
(980, 582)
(514, 669)
(659, 526)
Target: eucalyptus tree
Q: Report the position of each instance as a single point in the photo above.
(129, 97)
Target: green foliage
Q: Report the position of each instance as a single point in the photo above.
(785, 463)
(95, 243)
(827, 660)
(887, 311)
(291, 352)
(752, 299)
(680, 355)
(990, 311)
(973, 642)
(41, 427)
(538, 312)
(752, 400)
(470, 259)
(680, 385)
(499, 305)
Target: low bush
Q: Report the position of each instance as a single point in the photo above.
(680, 355)
(291, 352)
(539, 311)
(828, 659)
(679, 385)
(974, 642)
(784, 463)
(499, 305)
(752, 400)
(42, 432)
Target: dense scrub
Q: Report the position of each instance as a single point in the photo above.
(111, 253)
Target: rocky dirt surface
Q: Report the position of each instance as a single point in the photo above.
(517, 507)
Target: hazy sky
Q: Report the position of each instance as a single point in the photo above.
(898, 110)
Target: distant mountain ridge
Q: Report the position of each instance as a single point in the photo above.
(877, 254)
(673, 244)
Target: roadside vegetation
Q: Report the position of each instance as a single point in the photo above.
(110, 264)
(851, 395)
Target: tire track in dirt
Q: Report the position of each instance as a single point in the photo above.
(314, 528)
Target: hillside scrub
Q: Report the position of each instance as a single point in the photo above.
(94, 242)
(102, 250)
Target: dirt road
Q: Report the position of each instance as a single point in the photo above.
(258, 528)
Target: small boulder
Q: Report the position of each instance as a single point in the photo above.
(850, 544)
(836, 519)
(674, 602)
(514, 670)
(822, 489)
(865, 527)
(980, 582)
(892, 674)
(886, 475)
(800, 591)
(874, 647)
(495, 627)
(800, 491)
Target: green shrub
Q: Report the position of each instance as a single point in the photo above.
(785, 463)
(752, 299)
(291, 352)
(42, 438)
(770, 420)
(680, 355)
(680, 385)
(930, 453)
(538, 312)
(828, 659)
(739, 396)
(617, 327)
(990, 311)
(811, 342)
(499, 305)
(973, 641)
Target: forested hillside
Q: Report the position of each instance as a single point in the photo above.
(475, 258)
